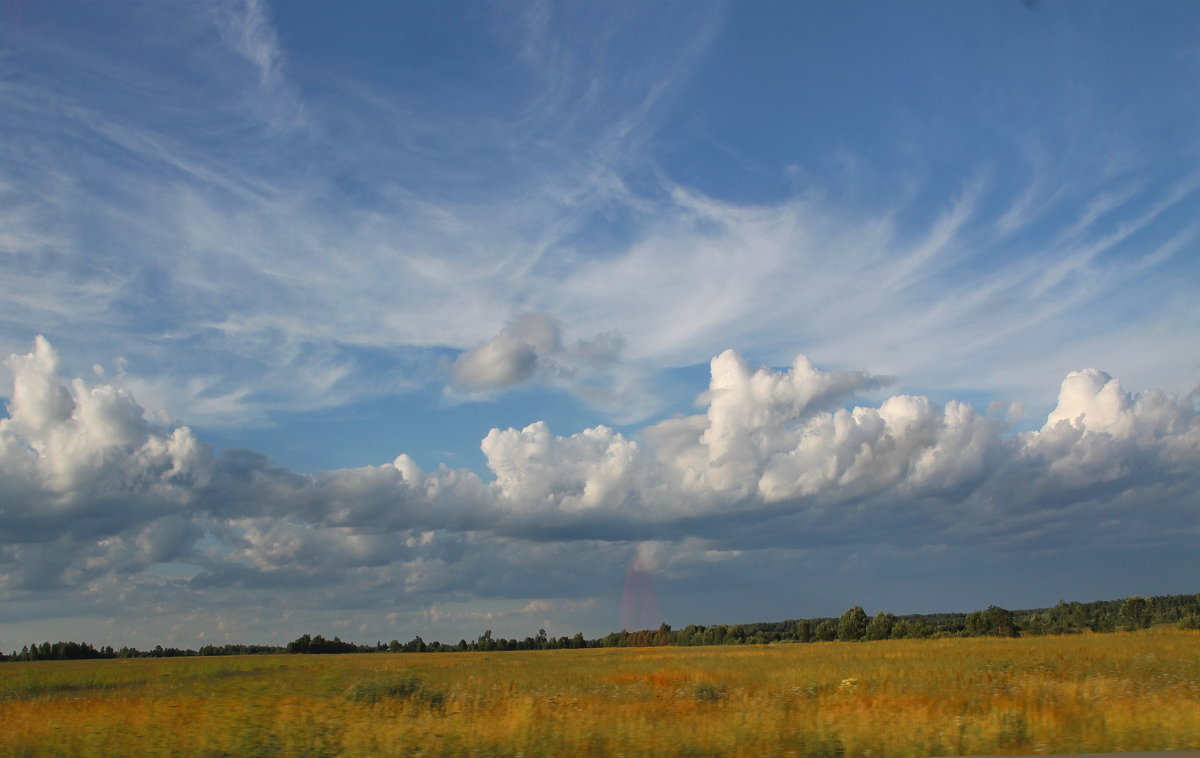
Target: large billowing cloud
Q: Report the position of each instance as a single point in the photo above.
(95, 496)
(80, 459)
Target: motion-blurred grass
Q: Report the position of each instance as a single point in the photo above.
(1087, 693)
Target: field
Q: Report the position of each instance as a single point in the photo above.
(1088, 693)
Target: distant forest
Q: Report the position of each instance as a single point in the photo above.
(854, 625)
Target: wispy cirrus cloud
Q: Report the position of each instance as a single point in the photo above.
(359, 224)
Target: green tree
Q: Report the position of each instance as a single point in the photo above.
(880, 627)
(825, 631)
(663, 635)
(301, 644)
(852, 625)
(802, 630)
(1034, 624)
(1079, 615)
(1000, 622)
(976, 624)
(485, 641)
(1135, 613)
(1103, 622)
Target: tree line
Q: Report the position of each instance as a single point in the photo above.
(72, 651)
(854, 625)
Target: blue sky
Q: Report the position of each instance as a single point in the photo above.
(385, 319)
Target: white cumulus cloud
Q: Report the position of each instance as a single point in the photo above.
(94, 495)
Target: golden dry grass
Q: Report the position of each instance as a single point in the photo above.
(1089, 693)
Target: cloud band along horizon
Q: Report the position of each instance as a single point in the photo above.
(99, 498)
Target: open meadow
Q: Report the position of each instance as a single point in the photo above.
(1069, 694)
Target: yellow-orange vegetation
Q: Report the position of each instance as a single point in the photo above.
(1086, 693)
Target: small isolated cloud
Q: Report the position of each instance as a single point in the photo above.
(531, 349)
(499, 363)
(531, 345)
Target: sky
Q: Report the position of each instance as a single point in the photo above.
(381, 320)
